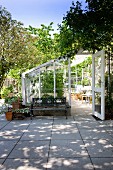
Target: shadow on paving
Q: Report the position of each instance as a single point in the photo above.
(56, 143)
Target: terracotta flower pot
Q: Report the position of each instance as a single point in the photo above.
(9, 116)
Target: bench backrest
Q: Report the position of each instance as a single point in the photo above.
(49, 101)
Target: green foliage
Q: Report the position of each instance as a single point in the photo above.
(66, 39)
(6, 91)
(109, 91)
(85, 65)
(12, 99)
(16, 75)
(91, 27)
(13, 40)
(48, 83)
(85, 82)
(45, 42)
(59, 84)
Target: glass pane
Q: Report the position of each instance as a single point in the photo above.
(98, 102)
(98, 71)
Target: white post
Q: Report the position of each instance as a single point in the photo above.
(65, 91)
(69, 80)
(54, 80)
(39, 85)
(103, 84)
(76, 77)
(82, 73)
(93, 84)
(23, 90)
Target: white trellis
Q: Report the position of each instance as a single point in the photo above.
(35, 74)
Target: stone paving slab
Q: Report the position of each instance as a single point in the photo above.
(94, 134)
(6, 147)
(1, 161)
(67, 148)
(99, 148)
(102, 163)
(10, 134)
(3, 124)
(83, 118)
(38, 127)
(3, 118)
(37, 135)
(62, 120)
(25, 164)
(60, 163)
(44, 121)
(110, 131)
(17, 125)
(106, 123)
(30, 149)
(65, 127)
(87, 124)
(66, 135)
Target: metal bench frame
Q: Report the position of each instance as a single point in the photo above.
(50, 104)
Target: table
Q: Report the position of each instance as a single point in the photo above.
(88, 97)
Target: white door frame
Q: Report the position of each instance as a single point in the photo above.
(100, 89)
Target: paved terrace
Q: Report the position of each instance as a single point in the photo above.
(54, 143)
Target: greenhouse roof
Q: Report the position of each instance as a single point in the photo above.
(41, 67)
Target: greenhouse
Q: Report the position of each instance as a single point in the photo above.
(52, 78)
(55, 79)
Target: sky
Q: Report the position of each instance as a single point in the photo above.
(37, 12)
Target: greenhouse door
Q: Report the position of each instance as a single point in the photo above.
(98, 84)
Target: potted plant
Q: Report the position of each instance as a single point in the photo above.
(21, 113)
(6, 108)
(16, 104)
(9, 115)
(14, 101)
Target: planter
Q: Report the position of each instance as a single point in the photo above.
(16, 105)
(21, 113)
(9, 116)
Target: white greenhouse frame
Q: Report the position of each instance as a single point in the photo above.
(53, 65)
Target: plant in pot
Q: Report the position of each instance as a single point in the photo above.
(14, 101)
(6, 108)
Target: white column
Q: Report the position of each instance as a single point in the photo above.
(54, 80)
(93, 84)
(103, 84)
(82, 73)
(23, 90)
(76, 77)
(69, 79)
(39, 85)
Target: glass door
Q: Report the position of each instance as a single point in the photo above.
(98, 84)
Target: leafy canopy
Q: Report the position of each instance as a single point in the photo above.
(12, 43)
(93, 26)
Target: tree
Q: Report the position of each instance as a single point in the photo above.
(65, 39)
(13, 44)
(93, 28)
(45, 42)
(91, 25)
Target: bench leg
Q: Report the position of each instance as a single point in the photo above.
(66, 113)
(31, 114)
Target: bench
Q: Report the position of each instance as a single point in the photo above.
(49, 104)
